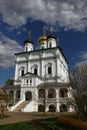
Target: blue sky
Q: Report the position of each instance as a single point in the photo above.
(67, 17)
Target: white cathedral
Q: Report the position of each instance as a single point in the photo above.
(41, 81)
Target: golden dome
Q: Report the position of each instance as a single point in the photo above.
(42, 39)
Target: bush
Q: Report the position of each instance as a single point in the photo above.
(72, 124)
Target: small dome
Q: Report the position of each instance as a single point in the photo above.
(28, 41)
(51, 36)
(42, 39)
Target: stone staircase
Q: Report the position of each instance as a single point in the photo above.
(18, 108)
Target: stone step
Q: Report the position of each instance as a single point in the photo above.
(18, 108)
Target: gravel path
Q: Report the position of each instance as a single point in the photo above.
(18, 117)
(25, 116)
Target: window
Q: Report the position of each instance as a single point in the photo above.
(50, 45)
(22, 72)
(26, 48)
(35, 71)
(27, 81)
(30, 81)
(49, 70)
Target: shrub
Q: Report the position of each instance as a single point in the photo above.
(72, 124)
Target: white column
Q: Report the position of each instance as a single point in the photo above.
(57, 100)
(14, 95)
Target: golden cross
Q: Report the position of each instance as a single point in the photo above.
(44, 28)
(29, 33)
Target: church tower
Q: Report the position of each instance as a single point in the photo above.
(51, 40)
(28, 44)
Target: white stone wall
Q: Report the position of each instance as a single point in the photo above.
(42, 60)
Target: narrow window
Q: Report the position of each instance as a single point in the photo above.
(30, 81)
(22, 72)
(49, 70)
(35, 71)
(27, 81)
(50, 45)
(26, 48)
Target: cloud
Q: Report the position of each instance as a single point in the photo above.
(83, 55)
(69, 14)
(8, 48)
(83, 58)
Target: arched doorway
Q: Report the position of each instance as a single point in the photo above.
(28, 95)
(41, 93)
(63, 108)
(63, 92)
(52, 108)
(51, 93)
(41, 108)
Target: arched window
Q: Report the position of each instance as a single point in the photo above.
(48, 69)
(50, 45)
(35, 71)
(63, 92)
(41, 93)
(22, 72)
(51, 93)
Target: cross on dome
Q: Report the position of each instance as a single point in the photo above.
(29, 33)
(44, 29)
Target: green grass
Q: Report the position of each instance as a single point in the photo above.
(19, 126)
(29, 126)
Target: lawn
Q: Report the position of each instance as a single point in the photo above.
(19, 126)
(32, 126)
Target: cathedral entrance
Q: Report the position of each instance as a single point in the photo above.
(28, 95)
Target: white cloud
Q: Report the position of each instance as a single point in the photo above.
(8, 48)
(83, 58)
(83, 55)
(70, 14)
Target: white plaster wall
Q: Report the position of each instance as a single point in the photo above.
(52, 41)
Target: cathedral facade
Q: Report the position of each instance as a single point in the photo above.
(41, 81)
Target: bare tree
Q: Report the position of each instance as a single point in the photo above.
(5, 100)
(78, 79)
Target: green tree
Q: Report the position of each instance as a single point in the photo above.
(9, 82)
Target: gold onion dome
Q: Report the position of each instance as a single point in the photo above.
(44, 37)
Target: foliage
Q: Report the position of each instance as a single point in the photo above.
(78, 79)
(52, 124)
(5, 100)
(71, 124)
(9, 82)
(19, 126)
